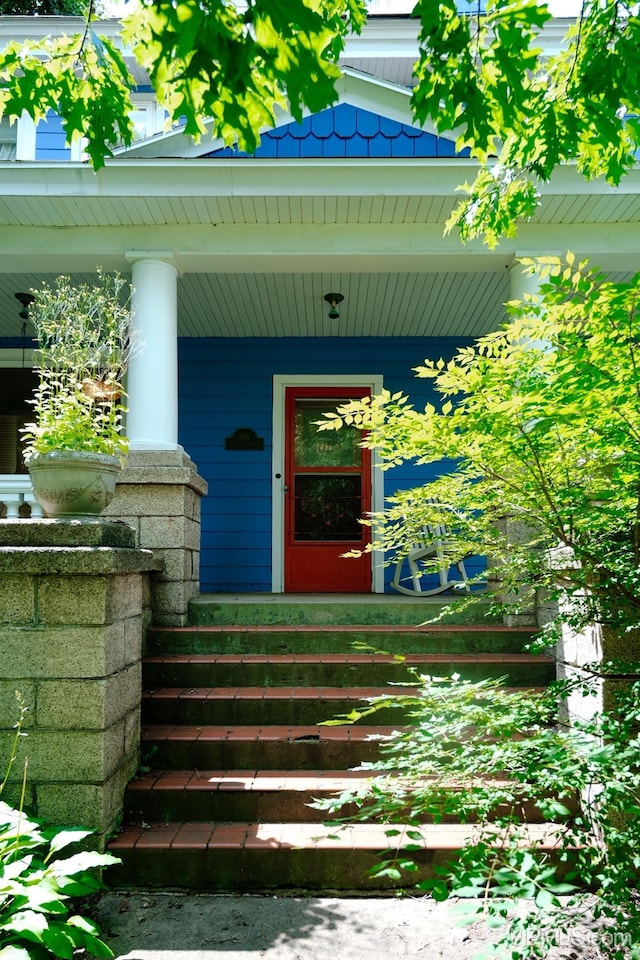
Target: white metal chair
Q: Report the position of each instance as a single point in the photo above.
(433, 547)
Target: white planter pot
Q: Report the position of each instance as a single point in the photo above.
(73, 483)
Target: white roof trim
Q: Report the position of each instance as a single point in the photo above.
(273, 177)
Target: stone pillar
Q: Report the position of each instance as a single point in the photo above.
(160, 489)
(74, 609)
(159, 495)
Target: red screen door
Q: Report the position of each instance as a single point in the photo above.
(328, 489)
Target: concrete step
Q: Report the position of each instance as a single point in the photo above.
(374, 609)
(234, 750)
(270, 705)
(336, 638)
(326, 669)
(254, 857)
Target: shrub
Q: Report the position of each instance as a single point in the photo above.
(37, 885)
(485, 755)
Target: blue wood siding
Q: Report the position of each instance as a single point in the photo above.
(346, 131)
(50, 139)
(227, 384)
(16, 343)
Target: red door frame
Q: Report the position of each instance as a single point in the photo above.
(317, 566)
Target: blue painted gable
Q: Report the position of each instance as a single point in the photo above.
(346, 131)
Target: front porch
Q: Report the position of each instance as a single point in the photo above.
(230, 309)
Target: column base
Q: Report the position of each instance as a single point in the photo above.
(159, 495)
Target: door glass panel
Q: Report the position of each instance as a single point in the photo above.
(329, 448)
(327, 508)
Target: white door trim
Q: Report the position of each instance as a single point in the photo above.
(280, 383)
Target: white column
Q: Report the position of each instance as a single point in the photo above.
(152, 381)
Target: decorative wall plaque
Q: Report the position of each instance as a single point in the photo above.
(244, 438)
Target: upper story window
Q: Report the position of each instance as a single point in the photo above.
(8, 139)
(17, 139)
(148, 117)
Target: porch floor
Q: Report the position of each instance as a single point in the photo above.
(367, 598)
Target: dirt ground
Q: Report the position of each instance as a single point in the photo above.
(183, 926)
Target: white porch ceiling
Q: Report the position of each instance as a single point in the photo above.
(292, 305)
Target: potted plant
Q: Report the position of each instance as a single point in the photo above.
(75, 447)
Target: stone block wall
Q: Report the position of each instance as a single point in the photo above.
(159, 496)
(525, 612)
(74, 609)
(580, 656)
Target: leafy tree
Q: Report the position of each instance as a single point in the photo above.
(205, 60)
(43, 8)
(542, 422)
(494, 759)
(489, 78)
(521, 111)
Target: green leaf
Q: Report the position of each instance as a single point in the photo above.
(58, 942)
(12, 952)
(545, 899)
(62, 838)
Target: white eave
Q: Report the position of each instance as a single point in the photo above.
(293, 214)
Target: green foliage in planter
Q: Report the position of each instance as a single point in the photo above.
(538, 422)
(84, 345)
(480, 753)
(37, 885)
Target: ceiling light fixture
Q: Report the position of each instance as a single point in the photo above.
(334, 300)
(26, 299)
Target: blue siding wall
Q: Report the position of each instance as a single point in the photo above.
(16, 343)
(346, 131)
(50, 139)
(226, 384)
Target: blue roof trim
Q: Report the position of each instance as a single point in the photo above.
(346, 131)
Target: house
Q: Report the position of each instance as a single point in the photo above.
(267, 289)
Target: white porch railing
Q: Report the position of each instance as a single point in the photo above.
(16, 497)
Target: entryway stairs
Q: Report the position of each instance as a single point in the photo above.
(234, 752)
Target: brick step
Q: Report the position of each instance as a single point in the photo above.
(263, 705)
(270, 856)
(232, 716)
(252, 796)
(332, 638)
(295, 747)
(332, 669)
(266, 705)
